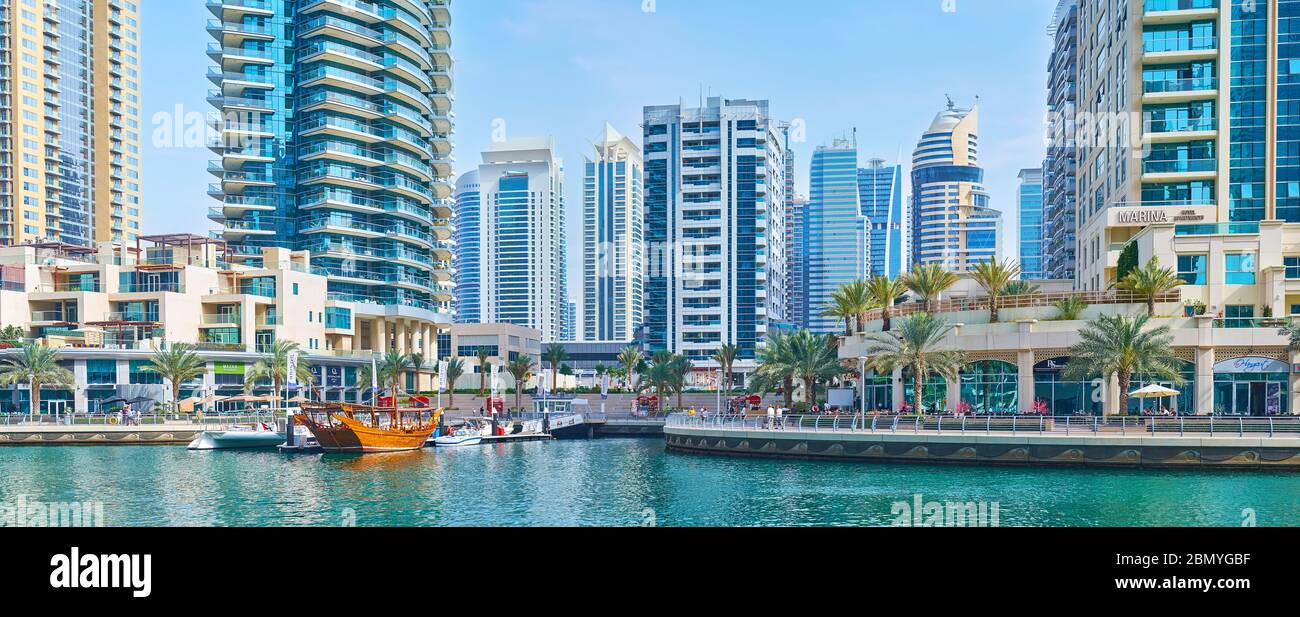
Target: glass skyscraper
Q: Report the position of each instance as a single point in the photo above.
(951, 221)
(613, 243)
(69, 121)
(1030, 201)
(715, 227)
(881, 188)
(334, 137)
(838, 235)
(1060, 186)
(521, 192)
(469, 264)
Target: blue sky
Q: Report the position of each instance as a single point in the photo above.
(565, 67)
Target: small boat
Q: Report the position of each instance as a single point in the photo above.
(338, 427)
(456, 441)
(241, 436)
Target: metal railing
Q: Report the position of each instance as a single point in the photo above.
(1038, 300)
(1226, 426)
(206, 422)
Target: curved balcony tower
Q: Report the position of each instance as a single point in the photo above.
(334, 136)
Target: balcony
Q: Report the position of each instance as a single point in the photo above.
(1180, 49)
(1179, 90)
(1185, 169)
(1178, 11)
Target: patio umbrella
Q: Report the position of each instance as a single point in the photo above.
(299, 399)
(1155, 391)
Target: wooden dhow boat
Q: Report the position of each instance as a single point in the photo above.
(358, 429)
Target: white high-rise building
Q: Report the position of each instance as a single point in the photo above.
(613, 257)
(715, 228)
(522, 242)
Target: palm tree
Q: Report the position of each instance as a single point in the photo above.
(884, 293)
(775, 368)
(36, 366)
(916, 345)
(1070, 308)
(678, 370)
(274, 367)
(418, 362)
(1118, 345)
(389, 370)
(1020, 288)
(813, 358)
(928, 282)
(631, 359)
(726, 359)
(521, 369)
(555, 354)
(1150, 281)
(994, 278)
(177, 364)
(850, 304)
(455, 369)
(484, 355)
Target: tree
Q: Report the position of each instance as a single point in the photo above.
(1020, 288)
(35, 366)
(1121, 346)
(679, 370)
(484, 355)
(1128, 261)
(521, 369)
(13, 335)
(1070, 308)
(813, 358)
(177, 364)
(1292, 332)
(928, 282)
(884, 292)
(775, 368)
(1150, 281)
(994, 277)
(455, 369)
(631, 358)
(726, 359)
(555, 354)
(418, 362)
(850, 303)
(389, 370)
(916, 345)
(274, 367)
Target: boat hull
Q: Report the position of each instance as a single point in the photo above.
(354, 437)
(458, 442)
(236, 440)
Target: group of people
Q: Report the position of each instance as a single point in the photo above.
(128, 416)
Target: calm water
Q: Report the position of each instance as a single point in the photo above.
(607, 482)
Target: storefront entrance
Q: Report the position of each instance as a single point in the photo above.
(1251, 387)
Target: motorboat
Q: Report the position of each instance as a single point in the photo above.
(239, 437)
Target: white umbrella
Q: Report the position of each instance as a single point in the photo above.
(1155, 391)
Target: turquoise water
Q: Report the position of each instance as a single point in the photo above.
(608, 483)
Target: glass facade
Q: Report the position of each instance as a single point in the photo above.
(837, 235)
(469, 277)
(952, 223)
(990, 387)
(1030, 199)
(1248, 114)
(335, 138)
(881, 190)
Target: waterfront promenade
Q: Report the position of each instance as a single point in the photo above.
(1148, 442)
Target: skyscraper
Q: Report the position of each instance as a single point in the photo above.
(952, 223)
(69, 121)
(613, 242)
(838, 235)
(335, 138)
(469, 251)
(1060, 186)
(521, 188)
(1030, 202)
(715, 227)
(796, 238)
(881, 188)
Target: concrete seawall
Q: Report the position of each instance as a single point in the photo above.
(161, 434)
(1133, 451)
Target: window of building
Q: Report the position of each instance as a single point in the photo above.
(1292, 267)
(1192, 269)
(1240, 269)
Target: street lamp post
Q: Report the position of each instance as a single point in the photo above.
(862, 384)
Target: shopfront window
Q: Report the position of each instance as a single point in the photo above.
(1064, 397)
(1252, 387)
(879, 392)
(935, 393)
(990, 387)
(1184, 404)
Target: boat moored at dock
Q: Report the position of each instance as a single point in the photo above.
(339, 427)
